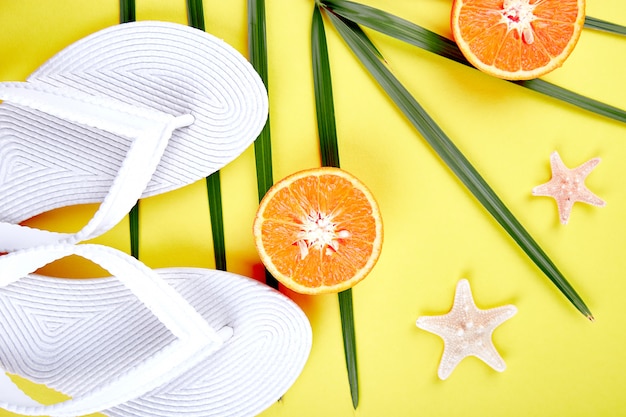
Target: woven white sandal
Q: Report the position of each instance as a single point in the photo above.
(166, 342)
(131, 111)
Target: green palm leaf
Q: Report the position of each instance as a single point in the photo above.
(327, 132)
(454, 159)
(413, 34)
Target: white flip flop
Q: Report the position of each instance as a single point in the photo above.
(158, 343)
(131, 111)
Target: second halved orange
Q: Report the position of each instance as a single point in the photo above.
(517, 39)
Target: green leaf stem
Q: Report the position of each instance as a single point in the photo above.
(257, 44)
(329, 149)
(133, 225)
(195, 16)
(127, 11)
(603, 25)
(323, 88)
(127, 14)
(454, 159)
(214, 194)
(346, 312)
(578, 100)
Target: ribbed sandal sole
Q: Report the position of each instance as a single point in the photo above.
(75, 335)
(47, 162)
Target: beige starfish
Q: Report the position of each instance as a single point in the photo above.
(567, 186)
(466, 331)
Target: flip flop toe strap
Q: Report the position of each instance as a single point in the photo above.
(149, 129)
(196, 339)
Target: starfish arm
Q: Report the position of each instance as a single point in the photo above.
(557, 165)
(491, 357)
(440, 326)
(565, 209)
(486, 351)
(463, 299)
(434, 324)
(545, 190)
(449, 360)
(586, 168)
(498, 315)
(588, 197)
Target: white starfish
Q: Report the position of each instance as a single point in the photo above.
(567, 186)
(466, 331)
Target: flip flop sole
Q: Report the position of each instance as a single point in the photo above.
(75, 335)
(47, 162)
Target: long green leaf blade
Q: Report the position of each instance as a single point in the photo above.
(415, 35)
(323, 88)
(214, 195)
(456, 161)
(127, 14)
(127, 11)
(603, 25)
(346, 312)
(257, 45)
(573, 98)
(327, 132)
(195, 16)
(133, 226)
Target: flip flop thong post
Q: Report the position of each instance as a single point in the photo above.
(143, 342)
(131, 111)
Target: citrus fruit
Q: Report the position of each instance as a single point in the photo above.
(318, 231)
(517, 39)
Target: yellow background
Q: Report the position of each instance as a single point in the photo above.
(436, 233)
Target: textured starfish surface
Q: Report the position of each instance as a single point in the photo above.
(466, 331)
(567, 186)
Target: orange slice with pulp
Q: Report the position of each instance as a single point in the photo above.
(318, 231)
(517, 39)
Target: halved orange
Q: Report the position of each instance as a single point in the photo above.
(517, 39)
(318, 231)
